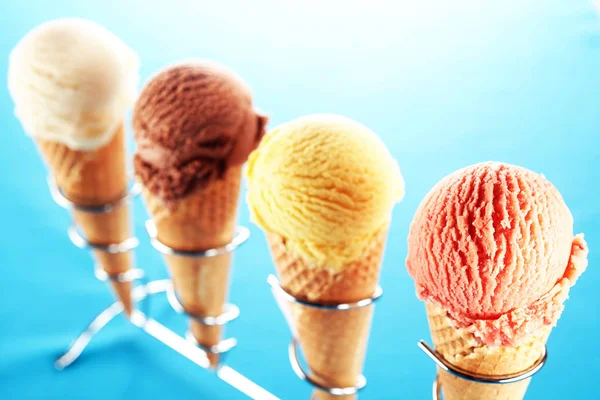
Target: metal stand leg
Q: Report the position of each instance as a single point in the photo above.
(81, 342)
(141, 319)
(163, 334)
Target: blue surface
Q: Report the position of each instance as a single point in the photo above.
(445, 85)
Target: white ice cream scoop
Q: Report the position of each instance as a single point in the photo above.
(72, 81)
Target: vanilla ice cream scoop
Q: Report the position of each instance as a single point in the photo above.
(72, 81)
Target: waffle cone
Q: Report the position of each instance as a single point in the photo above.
(203, 220)
(462, 350)
(334, 343)
(95, 178)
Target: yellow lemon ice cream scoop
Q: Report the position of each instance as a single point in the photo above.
(326, 184)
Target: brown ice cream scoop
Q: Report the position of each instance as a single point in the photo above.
(191, 122)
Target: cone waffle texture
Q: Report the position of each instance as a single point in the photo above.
(202, 220)
(461, 349)
(95, 178)
(334, 342)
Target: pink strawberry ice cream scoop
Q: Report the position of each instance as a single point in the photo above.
(493, 244)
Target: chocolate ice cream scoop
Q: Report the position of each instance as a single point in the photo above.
(191, 122)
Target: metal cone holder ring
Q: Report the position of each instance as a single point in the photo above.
(231, 310)
(145, 290)
(283, 297)
(472, 377)
(78, 239)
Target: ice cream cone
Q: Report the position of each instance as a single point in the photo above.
(461, 349)
(334, 343)
(94, 178)
(202, 220)
(322, 188)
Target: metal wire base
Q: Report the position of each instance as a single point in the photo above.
(441, 362)
(164, 335)
(281, 294)
(183, 345)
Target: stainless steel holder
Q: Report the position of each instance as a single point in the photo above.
(185, 346)
(441, 362)
(280, 294)
(231, 310)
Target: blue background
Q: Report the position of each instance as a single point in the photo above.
(445, 84)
